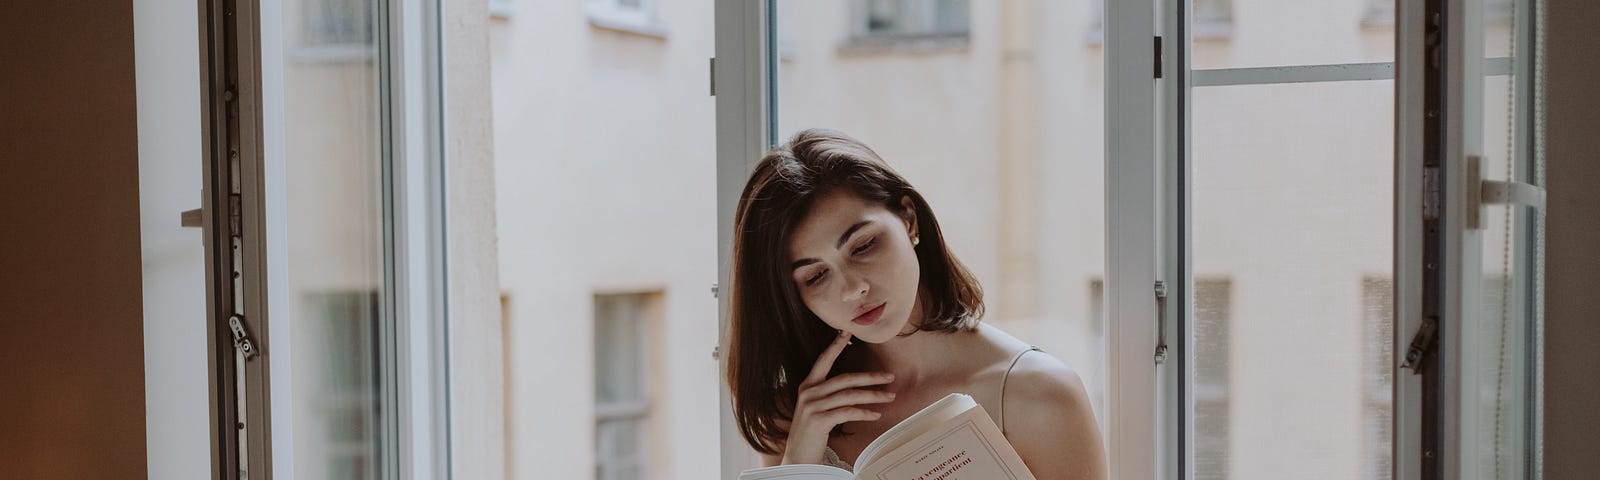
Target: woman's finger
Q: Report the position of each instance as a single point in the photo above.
(848, 414)
(850, 397)
(819, 371)
(848, 380)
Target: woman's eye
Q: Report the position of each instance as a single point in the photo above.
(866, 246)
(817, 276)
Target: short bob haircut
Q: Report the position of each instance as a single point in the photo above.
(774, 340)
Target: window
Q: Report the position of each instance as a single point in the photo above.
(622, 404)
(337, 23)
(912, 18)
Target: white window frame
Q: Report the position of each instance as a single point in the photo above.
(417, 429)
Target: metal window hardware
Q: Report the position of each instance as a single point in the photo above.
(241, 338)
(1482, 193)
(1158, 57)
(190, 218)
(1421, 344)
(1161, 322)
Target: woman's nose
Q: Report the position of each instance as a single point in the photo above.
(855, 289)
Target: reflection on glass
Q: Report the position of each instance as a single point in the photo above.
(1292, 207)
(336, 253)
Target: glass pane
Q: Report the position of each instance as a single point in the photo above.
(1292, 247)
(618, 349)
(1005, 141)
(1236, 33)
(605, 184)
(1502, 363)
(336, 261)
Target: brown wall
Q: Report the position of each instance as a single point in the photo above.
(71, 336)
(1572, 242)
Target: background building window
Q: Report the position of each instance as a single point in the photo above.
(912, 19)
(337, 23)
(621, 391)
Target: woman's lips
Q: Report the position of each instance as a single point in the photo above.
(870, 316)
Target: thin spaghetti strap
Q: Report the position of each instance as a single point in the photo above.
(1002, 406)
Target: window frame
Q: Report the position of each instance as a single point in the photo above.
(412, 355)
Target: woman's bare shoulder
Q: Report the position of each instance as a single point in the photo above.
(1056, 431)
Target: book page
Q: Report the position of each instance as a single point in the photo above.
(967, 447)
(796, 472)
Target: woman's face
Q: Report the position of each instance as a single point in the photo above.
(855, 267)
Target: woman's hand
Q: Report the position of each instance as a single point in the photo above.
(825, 403)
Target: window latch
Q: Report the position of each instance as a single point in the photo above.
(1482, 193)
(241, 338)
(1161, 322)
(1421, 344)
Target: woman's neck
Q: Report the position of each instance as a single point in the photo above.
(919, 358)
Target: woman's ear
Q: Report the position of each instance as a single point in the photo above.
(909, 215)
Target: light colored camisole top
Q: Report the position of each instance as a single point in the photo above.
(831, 458)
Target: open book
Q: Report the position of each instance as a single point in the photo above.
(951, 439)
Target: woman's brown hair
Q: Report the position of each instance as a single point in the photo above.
(773, 338)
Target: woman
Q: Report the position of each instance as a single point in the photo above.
(829, 245)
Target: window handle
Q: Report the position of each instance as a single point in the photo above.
(190, 218)
(1161, 322)
(1482, 193)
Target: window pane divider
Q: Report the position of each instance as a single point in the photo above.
(1336, 72)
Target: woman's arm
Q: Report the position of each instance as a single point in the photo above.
(1051, 423)
(771, 460)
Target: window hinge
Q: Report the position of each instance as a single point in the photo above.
(1161, 322)
(1421, 344)
(1482, 193)
(235, 223)
(713, 76)
(1158, 57)
(241, 338)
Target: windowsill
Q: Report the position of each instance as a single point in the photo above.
(652, 27)
(906, 44)
(352, 53)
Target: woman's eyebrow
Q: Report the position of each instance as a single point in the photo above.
(842, 238)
